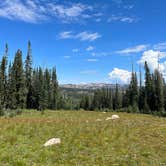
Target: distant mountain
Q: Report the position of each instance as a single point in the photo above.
(90, 86)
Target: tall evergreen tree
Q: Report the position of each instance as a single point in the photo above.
(18, 80)
(141, 99)
(133, 87)
(159, 98)
(28, 76)
(117, 102)
(3, 80)
(54, 89)
(148, 89)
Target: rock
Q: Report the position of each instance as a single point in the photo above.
(53, 141)
(113, 117)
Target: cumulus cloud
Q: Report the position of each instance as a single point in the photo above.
(136, 49)
(90, 48)
(34, 11)
(120, 75)
(82, 36)
(152, 57)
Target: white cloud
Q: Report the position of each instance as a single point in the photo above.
(90, 48)
(65, 35)
(88, 72)
(92, 60)
(125, 19)
(17, 10)
(83, 36)
(88, 36)
(151, 57)
(119, 75)
(136, 49)
(73, 12)
(34, 11)
(160, 46)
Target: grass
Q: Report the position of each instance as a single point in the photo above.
(133, 140)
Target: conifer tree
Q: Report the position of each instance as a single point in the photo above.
(28, 76)
(159, 98)
(133, 90)
(3, 80)
(117, 98)
(148, 87)
(18, 80)
(54, 89)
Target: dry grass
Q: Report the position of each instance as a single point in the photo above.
(136, 140)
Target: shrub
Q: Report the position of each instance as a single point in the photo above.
(2, 113)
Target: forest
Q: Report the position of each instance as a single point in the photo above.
(25, 87)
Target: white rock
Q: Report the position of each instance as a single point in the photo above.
(53, 141)
(113, 117)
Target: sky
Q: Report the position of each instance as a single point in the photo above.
(88, 41)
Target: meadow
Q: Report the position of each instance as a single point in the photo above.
(132, 140)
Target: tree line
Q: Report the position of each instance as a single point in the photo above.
(22, 86)
(149, 98)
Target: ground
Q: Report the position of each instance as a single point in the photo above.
(133, 140)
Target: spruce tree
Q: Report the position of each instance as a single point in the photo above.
(148, 89)
(3, 80)
(54, 89)
(117, 102)
(159, 98)
(133, 90)
(18, 80)
(28, 76)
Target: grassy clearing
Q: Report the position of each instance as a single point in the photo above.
(133, 140)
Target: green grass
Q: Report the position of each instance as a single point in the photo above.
(133, 140)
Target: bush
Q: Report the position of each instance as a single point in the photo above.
(12, 114)
(163, 113)
(2, 113)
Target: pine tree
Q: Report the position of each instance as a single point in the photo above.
(141, 99)
(28, 76)
(47, 87)
(54, 90)
(117, 102)
(159, 98)
(148, 88)
(3, 80)
(133, 90)
(18, 80)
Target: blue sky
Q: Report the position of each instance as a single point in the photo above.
(88, 41)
